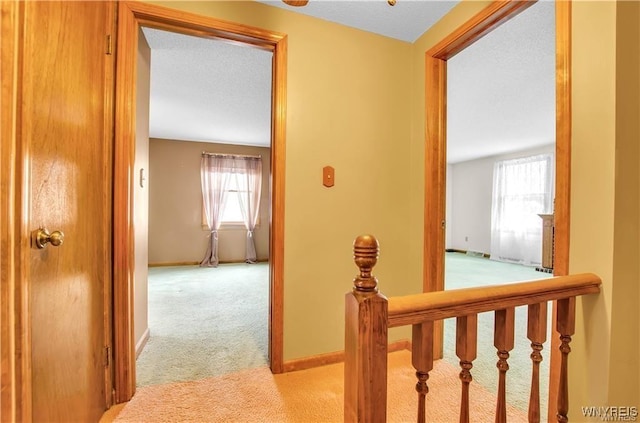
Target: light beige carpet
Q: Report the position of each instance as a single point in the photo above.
(205, 322)
(314, 395)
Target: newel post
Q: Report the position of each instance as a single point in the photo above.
(365, 365)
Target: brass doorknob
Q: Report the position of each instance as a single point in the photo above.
(42, 237)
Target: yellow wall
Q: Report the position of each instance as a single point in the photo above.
(625, 314)
(347, 107)
(176, 233)
(593, 193)
(356, 102)
(604, 202)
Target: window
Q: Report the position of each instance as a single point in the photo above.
(522, 189)
(232, 213)
(231, 190)
(234, 175)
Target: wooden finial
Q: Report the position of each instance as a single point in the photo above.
(365, 255)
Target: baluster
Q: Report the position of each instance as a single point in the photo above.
(503, 341)
(366, 316)
(422, 360)
(466, 346)
(565, 325)
(537, 334)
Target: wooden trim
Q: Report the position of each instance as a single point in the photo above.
(123, 245)
(203, 26)
(435, 174)
(562, 207)
(174, 263)
(131, 16)
(435, 169)
(403, 344)
(276, 242)
(142, 342)
(313, 361)
(11, 400)
(334, 357)
(195, 263)
(15, 246)
(563, 138)
(455, 250)
(433, 306)
(478, 26)
(107, 199)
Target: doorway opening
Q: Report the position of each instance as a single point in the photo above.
(500, 178)
(132, 17)
(198, 95)
(475, 28)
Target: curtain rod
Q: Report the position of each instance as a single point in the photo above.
(205, 153)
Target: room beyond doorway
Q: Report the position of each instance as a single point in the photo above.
(501, 139)
(189, 90)
(205, 322)
(131, 16)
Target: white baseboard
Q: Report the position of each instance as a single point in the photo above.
(142, 342)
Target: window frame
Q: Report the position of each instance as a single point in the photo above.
(229, 224)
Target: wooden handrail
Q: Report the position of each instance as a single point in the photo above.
(419, 308)
(369, 314)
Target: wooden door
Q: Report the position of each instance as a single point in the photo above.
(65, 127)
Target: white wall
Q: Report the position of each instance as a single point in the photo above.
(449, 207)
(470, 186)
(469, 194)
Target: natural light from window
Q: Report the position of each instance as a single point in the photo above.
(232, 213)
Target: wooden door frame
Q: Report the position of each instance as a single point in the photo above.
(131, 16)
(15, 377)
(494, 15)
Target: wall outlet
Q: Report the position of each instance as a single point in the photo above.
(466, 239)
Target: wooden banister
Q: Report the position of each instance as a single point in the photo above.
(537, 334)
(503, 340)
(418, 308)
(369, 314)
(365, 362)
(466, 350)
(422, 360)
(565, 325)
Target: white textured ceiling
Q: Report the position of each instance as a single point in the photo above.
(210, 91)
(501, 92)
(405, 21)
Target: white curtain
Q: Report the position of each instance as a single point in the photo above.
(214, 176)
(248, 172)
(522, 189)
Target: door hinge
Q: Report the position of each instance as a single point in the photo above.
(109, 45)
(107, 356)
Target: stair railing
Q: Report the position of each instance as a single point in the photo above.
(369, 315)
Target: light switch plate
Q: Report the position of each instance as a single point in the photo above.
(328, 176)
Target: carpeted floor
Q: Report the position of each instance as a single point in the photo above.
(462, 271)
(210, 322)
(314, 395)
(205, 322)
